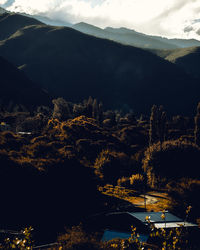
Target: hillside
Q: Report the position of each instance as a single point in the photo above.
(124, 36)
(186, 58)
(73, 65)
(133, 38)
(11, 22)
(17, 91)
(2, 10)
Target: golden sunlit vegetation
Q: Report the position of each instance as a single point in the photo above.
(171, 160)
(76, 163)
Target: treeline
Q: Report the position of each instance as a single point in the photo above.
(55, 171)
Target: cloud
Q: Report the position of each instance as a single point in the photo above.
(167, 18)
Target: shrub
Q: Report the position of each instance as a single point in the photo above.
(76, 238)
(110, 165)
(136, 182)
(183, 193)
(171, 160)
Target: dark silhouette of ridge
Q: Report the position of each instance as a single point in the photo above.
(18, 90)
(11, 23)
(186, 58)
(75, 66)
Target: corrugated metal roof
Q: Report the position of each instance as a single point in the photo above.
(174, 224)
(155, 217)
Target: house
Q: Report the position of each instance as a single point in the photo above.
(168, 221)
(119, 224)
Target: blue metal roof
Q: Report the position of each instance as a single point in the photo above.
(113, 234)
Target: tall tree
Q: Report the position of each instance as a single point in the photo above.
(89, 107)
(158, 119)
(153, 125)
(162, 119)
(100, 108)
(61, 109)
(197, 126)
(95, 111)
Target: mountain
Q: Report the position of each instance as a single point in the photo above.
(48, 21)
(133, 38)
(75, 66)
(2, 10)
(18, 90)
(91, 30)
(11, 22)
(123, 35)
(186, 58)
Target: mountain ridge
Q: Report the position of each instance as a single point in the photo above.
(17, 91)
(186, 58)
(75, 66)
(131, 37)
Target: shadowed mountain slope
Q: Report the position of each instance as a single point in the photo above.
(18, 90)
(2, 10)
(187, 58)
(73, 65)
(11, 22)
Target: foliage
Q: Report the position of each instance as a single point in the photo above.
(173, 239)
(197, 126)
(184, 192)
(77, 238)
(136, 182)
(110, 165)
(61, 109)
(157, 125)
(173, 160)
(25, 242)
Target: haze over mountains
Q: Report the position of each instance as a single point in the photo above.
(75, 66)
(122, 35)
(131, 37)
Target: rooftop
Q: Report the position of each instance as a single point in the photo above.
(155, 216)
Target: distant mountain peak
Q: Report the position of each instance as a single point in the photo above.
(2, 11)
(121, 28)
(86, 25)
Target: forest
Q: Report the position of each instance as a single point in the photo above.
(60, 164)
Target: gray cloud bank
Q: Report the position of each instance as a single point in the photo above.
(171, 18)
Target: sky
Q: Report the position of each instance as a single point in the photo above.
(170, 18)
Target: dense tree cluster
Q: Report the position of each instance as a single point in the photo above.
(175, 160)
(73, 148)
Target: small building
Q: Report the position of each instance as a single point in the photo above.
(24, 133)
(170, 220)
(119, 224)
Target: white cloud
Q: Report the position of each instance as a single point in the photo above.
(161, 17)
